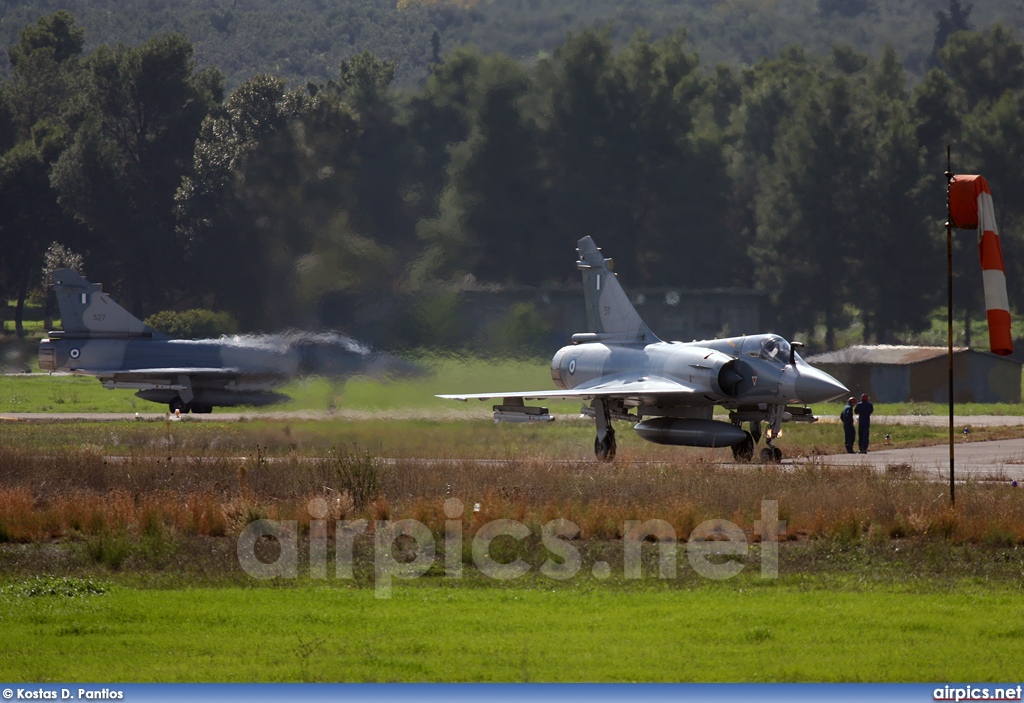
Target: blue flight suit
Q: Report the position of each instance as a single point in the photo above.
(863, 410)
(848, 427)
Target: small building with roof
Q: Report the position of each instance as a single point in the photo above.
(899, 374)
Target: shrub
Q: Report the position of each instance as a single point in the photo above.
(63, 586)
(193, 324)
(110, 548)
(358, 474)
(521, 333)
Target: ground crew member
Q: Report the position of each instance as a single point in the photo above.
(848, 429)
(863, 411)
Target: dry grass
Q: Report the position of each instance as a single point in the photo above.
(82, 492)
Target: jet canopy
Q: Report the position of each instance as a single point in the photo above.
(773, 348)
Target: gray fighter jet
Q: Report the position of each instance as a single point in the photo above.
(671, 388)
(102, 339)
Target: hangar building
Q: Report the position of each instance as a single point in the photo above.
(898, 374)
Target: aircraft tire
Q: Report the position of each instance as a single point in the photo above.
(605, 451)
(771, 455)
(744, 451)
(178, 404)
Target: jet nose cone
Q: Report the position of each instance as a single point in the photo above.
(815, 386)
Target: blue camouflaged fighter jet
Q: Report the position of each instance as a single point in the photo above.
(102, 339)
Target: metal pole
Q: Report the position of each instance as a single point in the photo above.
(949, 316)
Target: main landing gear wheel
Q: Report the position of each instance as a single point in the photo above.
(771, 455)
(177, 405)
(744, 451)
(605, 451)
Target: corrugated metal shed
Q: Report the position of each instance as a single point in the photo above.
(897, 374)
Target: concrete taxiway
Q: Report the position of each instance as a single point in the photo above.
(1001, 460)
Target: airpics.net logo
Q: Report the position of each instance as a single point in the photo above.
(708, 547)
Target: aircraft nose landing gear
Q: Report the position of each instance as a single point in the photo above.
(772, 454)
(744, 451)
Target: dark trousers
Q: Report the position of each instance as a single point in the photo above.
(851, 435)
(864, 429)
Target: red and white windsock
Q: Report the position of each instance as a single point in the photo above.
(970, 207)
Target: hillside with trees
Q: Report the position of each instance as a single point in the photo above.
(305, 40)
(816, 177)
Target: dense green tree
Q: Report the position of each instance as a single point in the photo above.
(726, 93)
(847, 60)
(45, 70)
(56, 33)
(955, 19)
(310, 182)
(771, 91)
(812, 239)
(936, 107)
(986, 64)
(626, 161)
(814, 175)
(30, 216)
(44, 78)
(304, 40)
(993, 145)
(132, 140)
(892, 295)
(494, 208)
(260, 175)
(588, 146)
(383, 152)
(438, 118)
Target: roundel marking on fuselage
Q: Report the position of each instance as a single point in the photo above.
(572, 366)
(75, 353)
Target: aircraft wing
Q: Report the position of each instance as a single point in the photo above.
(609, 388)
(190, 371)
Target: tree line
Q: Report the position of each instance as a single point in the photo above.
(815, 178)
(304, 40)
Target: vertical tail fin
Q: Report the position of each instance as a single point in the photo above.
(609, 311)
(85, 310)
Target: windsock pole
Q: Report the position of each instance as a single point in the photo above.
(949, 315)
(969, 206)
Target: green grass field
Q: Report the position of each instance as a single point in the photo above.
(881, 582)
(58, 394)
(749, 630)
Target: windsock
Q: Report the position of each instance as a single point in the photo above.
(970, 207)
